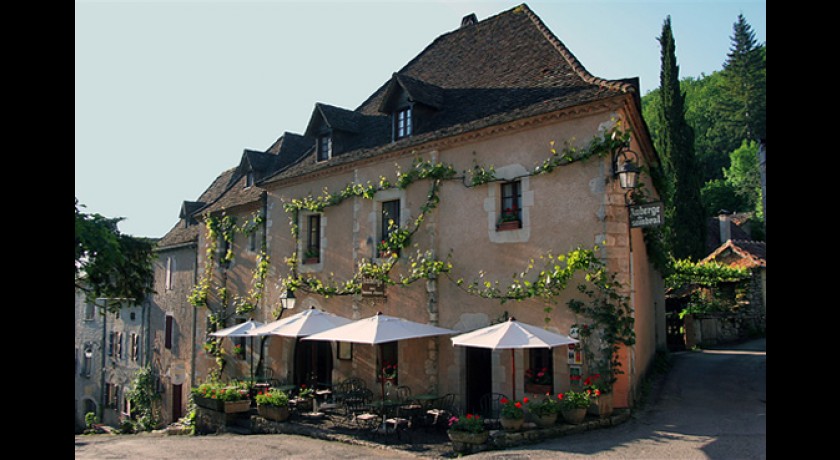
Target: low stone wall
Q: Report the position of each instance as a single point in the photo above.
(711, 329)
(209, 421)
(500, 439)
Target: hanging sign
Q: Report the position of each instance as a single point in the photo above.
(373, 287)
(646, 215)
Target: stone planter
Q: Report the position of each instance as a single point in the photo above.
(228, 407)
(545, 421)
(232, 407)
(511, 424)
(537, 389)
(467, 437)
(602, 405)
(303, 405)
(574, 416)
(276, 413)
(464, 442)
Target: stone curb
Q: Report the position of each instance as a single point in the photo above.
(498, 440)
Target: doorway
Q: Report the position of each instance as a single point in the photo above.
(313, 362)
(478, 377)
(176, 402)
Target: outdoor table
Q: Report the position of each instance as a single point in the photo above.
(286, 388)
(426, 399)
(383, 408)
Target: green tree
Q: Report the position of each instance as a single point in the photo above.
(108, 263)
(745, 85)
(684, 213)
(744, 176)
(740, 190)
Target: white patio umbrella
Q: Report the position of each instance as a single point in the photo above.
(379, 329)
(241, 330)
(307, 322)
(512, 334)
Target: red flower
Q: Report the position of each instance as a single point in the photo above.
(469, 416)
(518, 405)
(525, 400)
(540, 374)
(503, 400)
(596, 376)
(303, 385)
(588, 381)
(559, 395)
(597, 392)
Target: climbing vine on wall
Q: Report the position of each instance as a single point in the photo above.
(222, 229)
(605, 306)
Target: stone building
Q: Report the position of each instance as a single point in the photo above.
(110, 348)
(496, 99)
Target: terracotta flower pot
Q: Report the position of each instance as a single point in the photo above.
(511, 424)
(544, 421)
(574, 416)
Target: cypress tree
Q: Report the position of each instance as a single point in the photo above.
(685, 218)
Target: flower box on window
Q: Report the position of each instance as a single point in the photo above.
(510, 225)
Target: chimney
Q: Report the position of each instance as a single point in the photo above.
(469, 20)
(725, 232)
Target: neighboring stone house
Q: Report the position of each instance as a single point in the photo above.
(737, 249)
(110, 348)
(88, 368)
(501, 92)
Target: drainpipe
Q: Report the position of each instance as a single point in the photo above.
(194, 320)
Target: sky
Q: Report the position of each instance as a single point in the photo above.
(168, 94)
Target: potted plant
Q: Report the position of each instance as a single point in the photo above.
(305, 396)
(601, 395)
(466, 432)
(228, 398)
(273, 404)
(511, 416)
(545, 410)
(312, 256)
(538, 381)
(573, 405)
(238, 351)
(389, 372)
(509, 220)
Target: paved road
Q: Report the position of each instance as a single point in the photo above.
(710, 406)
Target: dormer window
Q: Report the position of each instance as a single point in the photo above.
(324, 147)
(249, 179)
(402, 123)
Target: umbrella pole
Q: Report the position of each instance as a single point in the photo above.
(381, 374)
(513, 373)
(252, 361)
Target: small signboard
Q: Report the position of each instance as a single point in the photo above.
(373, 287)
(646, 215)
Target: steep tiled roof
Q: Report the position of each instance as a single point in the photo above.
(180, 233)
(503, 68)
(713, 232)
(741, 253)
